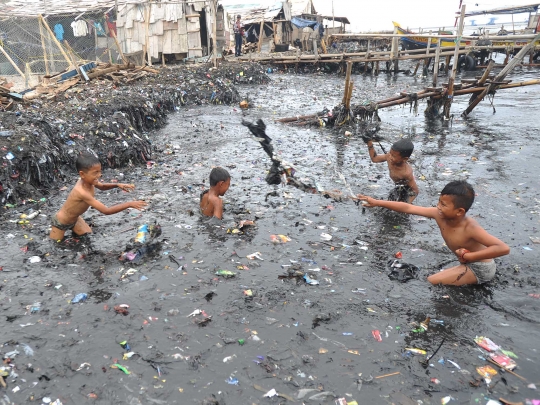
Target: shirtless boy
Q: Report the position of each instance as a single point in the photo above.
(473, 246)
(401, 172)
(82, 197)
(211, 204)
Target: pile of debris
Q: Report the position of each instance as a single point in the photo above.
(109, 115)
(6, 101)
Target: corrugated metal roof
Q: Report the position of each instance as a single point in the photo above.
(299, 7)
(254, 11)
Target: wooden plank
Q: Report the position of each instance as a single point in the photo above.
(450, 93)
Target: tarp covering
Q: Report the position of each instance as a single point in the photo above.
(531, 8)
(302, 23)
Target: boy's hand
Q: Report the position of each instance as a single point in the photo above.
(460, 252)
(139, 205)
(367, 140)
(126, 187)
(367, 201)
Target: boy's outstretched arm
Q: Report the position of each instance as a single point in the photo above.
(109, 186)
(373, 155)
(428, 212)
(494, 247)
(98, 205)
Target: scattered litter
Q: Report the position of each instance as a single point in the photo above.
(256, 255)
(232, 381)
(310, 281)
(79, 298)
(377, 335)
(225, 273)
(271, 393)
(486, 343)
(34, 259)
(279, 238)
(326, 237)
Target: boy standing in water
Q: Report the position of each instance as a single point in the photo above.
(400, 171)
(211, 204)
(82, 197)
(473, 246)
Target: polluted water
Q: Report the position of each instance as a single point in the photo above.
(204, 317)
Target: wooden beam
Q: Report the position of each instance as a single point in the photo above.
(347, 82)
(44, 49)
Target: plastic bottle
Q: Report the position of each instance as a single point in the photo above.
(35, 307)
(142, 234)
(79, 298)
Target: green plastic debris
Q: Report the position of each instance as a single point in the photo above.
(119, 367)
(241, 342)
(225, 273)
(510, 354)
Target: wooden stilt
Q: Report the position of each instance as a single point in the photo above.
(416, 68)
(436, 63)
(261, 33)
(450, 91)
(483, 79)
(347, 82)
(446, 67)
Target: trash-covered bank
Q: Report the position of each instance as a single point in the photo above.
(301, 307)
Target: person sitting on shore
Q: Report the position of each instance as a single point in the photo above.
(473, 246)
(406, 189)
(82, 197)
(211, 204)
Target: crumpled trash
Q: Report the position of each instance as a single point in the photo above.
(225, 273)
(79, 298)
(402, 272)
(310, 281)
(271, 393)
(256, 255)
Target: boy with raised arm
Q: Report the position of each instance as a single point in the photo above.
(401, 172)
(473, 246)
(82, 197)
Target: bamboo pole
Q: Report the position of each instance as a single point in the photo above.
(517, 59)
(120, 48)
(12, 63)
(44, 49)
(58, 44)
(450, 92)
(436, 63)
(483, 79)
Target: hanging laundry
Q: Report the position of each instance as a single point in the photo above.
(59, 32)
(80, 28)
(99, 29)
(90, 24)
(111, 26)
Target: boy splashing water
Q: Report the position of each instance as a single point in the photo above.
(401, 172)
(82, 197)
(473, 246)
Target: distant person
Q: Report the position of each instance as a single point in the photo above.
(82, 197)
(211, 204)
(401, 172)
(473, 246)
(238, 29)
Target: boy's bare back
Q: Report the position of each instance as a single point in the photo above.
(76, 204)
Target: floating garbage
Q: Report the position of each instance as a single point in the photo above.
(225, 273)
(402, 272)
(310, 281)
(279, 238)
(79, 298)
(256, 255)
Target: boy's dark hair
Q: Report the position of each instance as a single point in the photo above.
(218, 174)
(404, 146)
(85, 161)
(461, 192)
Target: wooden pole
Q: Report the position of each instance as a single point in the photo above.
(12, 63)
(347, 82)
(120, 48)
(44, 49)
(214, 33)
(502, 74)
(261, 29)
(450, 92)
(146, 54)
(447, 64)
(58, 44)
(436, 65)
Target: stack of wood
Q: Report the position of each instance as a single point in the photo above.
(52, 86)
(6, 101)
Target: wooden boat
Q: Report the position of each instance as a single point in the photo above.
(413, 42)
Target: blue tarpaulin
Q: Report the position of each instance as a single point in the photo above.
(303, 23)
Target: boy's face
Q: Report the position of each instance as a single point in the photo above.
(223, 186)
(396, 158)
(447, 209)
(91, 175)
